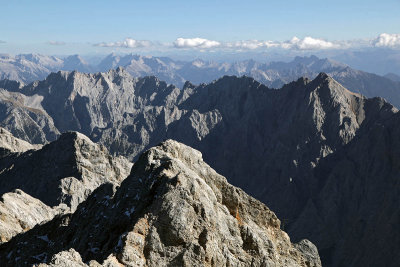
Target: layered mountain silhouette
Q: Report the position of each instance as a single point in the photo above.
(31, 67)
(324, 158)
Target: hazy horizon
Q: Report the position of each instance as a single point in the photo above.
(207, 28)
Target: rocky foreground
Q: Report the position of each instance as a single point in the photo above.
(172, 210)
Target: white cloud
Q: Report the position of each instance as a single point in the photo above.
(308, 43)
(196, 43)
(251, 44)
(387, 40)
(127, 43)
(55, 43)
(2, 42)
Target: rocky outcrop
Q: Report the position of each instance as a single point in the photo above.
(25, 117)
(20, 212)
(63, 172)
(37, 182)
(10, 144)
(173, 210)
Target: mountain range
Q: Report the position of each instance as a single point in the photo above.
(31, 67)
(324, 158)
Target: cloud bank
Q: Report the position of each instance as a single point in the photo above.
(127, 43)
(387, 40)
(298, 44)
(308, 43)
(251, 44)
(195, 43)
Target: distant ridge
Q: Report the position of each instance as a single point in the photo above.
(31, 67)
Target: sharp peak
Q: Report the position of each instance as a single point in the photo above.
(188, 84)
(71, 139)
(175, 147)
(120, 69)
(76, 57)
(73, 135)
(322, 76)
(61, 73)
(323, 79)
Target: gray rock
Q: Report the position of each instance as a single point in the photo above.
(63, 172)
(20, 212)
(57, 177)
(356, 205)
(173, 210)
(9, 144)
(25, 117)
(268, 142)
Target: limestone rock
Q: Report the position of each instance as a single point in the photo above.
(10, 144)
(38, 183)
(268, 142)
(20, 212)
(25, 118)
(173, 210)
(64, 171)
(356, 205)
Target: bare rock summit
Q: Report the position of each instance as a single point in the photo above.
(173, 210)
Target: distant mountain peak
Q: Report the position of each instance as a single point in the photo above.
(322, 77)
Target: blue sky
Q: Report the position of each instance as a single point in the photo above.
(65, 27)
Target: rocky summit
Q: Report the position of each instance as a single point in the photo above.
(172, 210)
